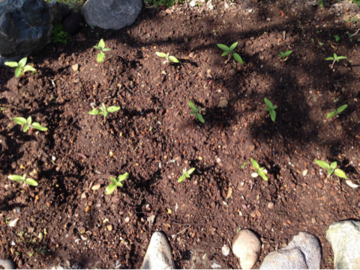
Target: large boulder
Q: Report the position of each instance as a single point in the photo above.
(111, 14)
(26, 25)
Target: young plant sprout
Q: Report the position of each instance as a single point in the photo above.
(22, 179)
(337, 38)
(228, 50)
(331, 168)
(101, 54)
(21, 67)
(337, 111)
(271, 109)
(103, 110)
(258, 171)
(196, 112)
(116, 183)
(186, 174)
(335, 58)
(285, 55)
(29, 124)
(167, 57)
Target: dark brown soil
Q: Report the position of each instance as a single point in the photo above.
(153, 137)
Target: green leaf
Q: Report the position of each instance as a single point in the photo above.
(113, 109)
(281, 55)
(182, 178)
(98, 48)
(20, 120)
(263, 175)
(22, 62)
(192, 105)
(273, 115)
(119, 184)
(337, 38)
(343, 107)
(31, 182)
(11, 64)
(322, 164)
(122, 177)
(288, 53)
(104, 113)
(94, 112)
(223, 47)
(29, 120)
(341, 57)
(186, 174)
(17, 178)
(113, 180)
(160, 54)
(200, 117)
(333, 165)
(110, 189)
(26, 128)
(268, 103)
(29, 68)
(103, 107)
(340, 173)
(332, 114)
(101, 44)
(225, 53)
(274, 107)
(106, 49)
(335, 56)
(173, 59)
(232, 47)
(329, 58)
(37, 126)
(238, 58)
(100, 57)
(18, 71)
(255, 164)
(191, 170)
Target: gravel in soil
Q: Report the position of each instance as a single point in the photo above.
(68, 219)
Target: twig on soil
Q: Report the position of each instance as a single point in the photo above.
(174, 235)
(355, 33)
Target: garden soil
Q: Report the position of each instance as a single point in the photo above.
(68, 219)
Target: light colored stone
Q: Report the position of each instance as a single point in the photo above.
(111, 14)
(246, 246)
(303, 252)
(223, 103)
(75, 67)
(158, 254)
(344, 237)
(7, 264)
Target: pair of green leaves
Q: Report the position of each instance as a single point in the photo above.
(186, 174)
(331, 168)
(21, 67)
(23, 179)
(101, 54)
(271, 109)
(196, 112)
(285, 54)
(335, 58)
(259, 171)
(228, 50)
(167, 57)
(337, 111)
(116, 182)
(103, 110)
(29, 124)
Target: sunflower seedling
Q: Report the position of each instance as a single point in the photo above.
(186, 174)
(28, 123)
(337, 111)
(101, 54)
(228, 50)
(22, 179)
(331, 168)
(285, 55)
(167, 57)
(116, 183)
(259, 171)
(196, 112)
(21, 67)
(271, 109)
(103, 110)
(335, 58)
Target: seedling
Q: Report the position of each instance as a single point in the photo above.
(259, 171)
(22, 179)
(337, 38)
(186, 174)
(101, 54)
(196, 112)
(29, 124)
(228, 50)
(335, 58)
(271, 109)
(331, 168)
(285, 55)
(116, 183)
(167, 57)
(337, 111)
(21, 67)
(103, 110)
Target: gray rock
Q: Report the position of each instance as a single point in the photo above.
(158, 254)
(7, 264)
(303, 252)
(26, 25)
(344, 237)
(111, 14)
